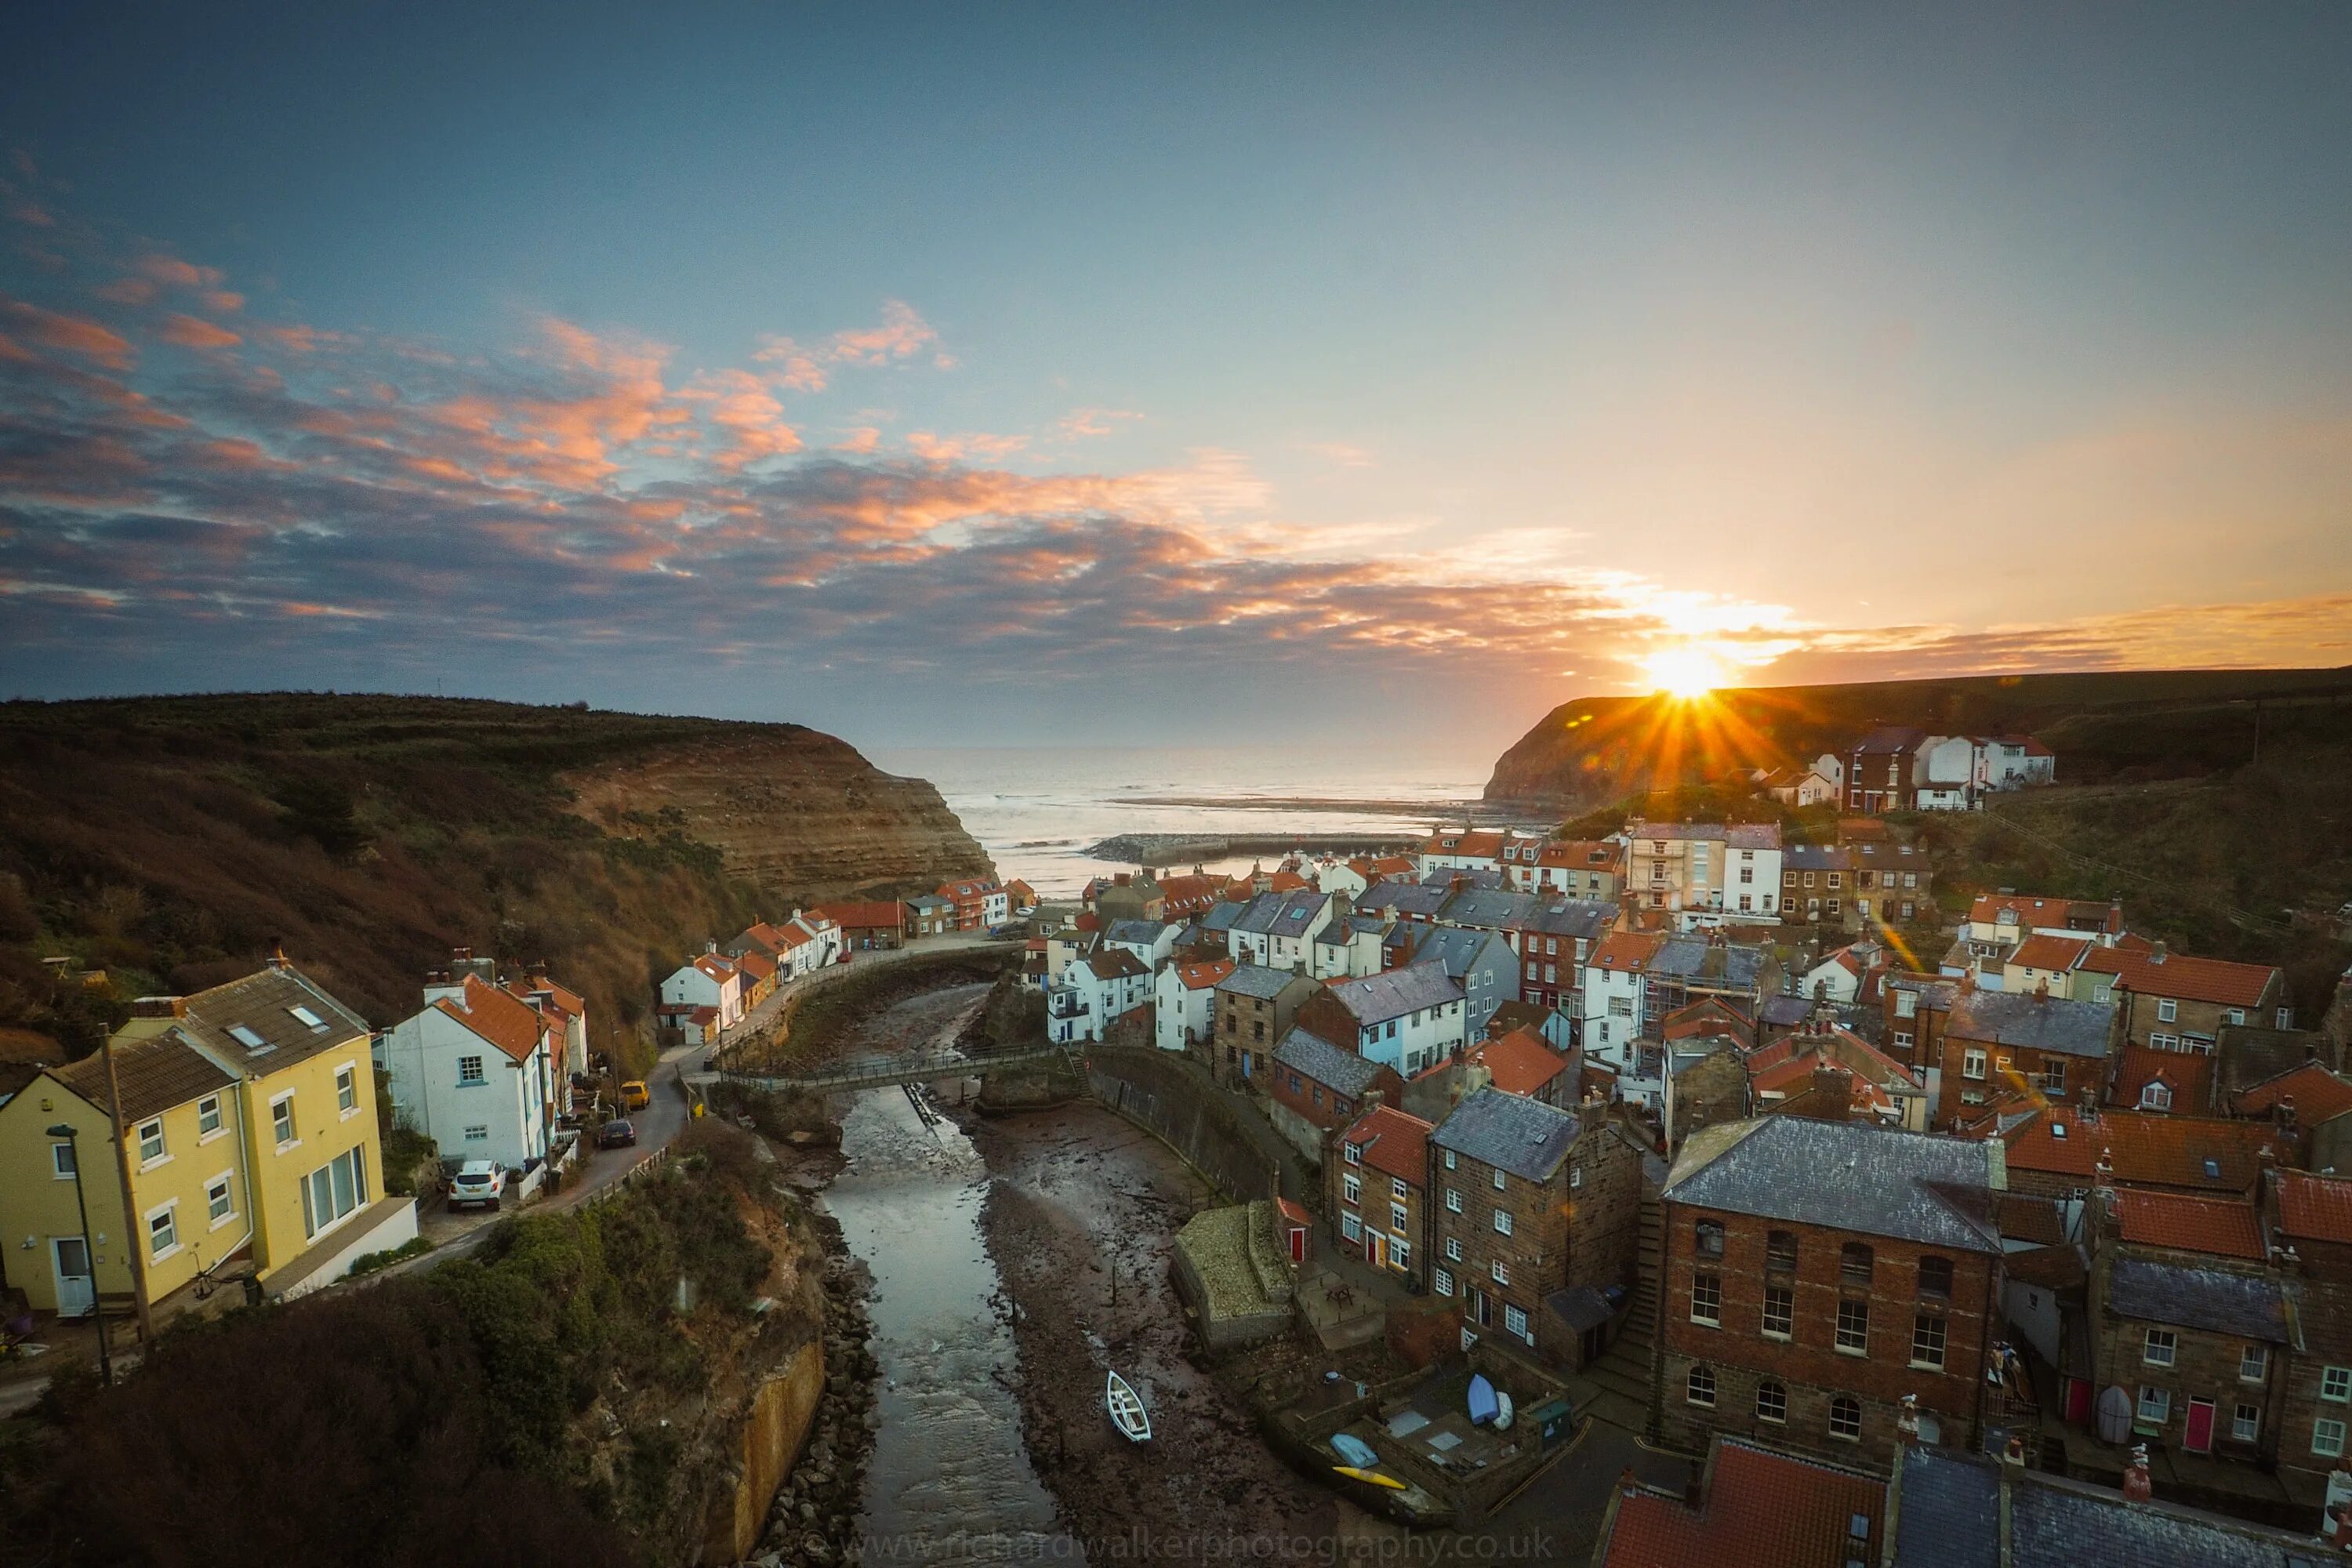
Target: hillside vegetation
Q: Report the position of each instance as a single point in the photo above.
(166, 842)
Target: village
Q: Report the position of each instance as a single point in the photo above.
(1671, 1141)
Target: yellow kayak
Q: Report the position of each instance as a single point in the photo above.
(1377, 1480)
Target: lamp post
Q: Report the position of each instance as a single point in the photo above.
(81, 1204)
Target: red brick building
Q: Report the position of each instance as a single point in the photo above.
(2313, 1216)
(1317, 1088)
(1815, 1273)
(1752, 1509)
(2054, 1152)
(868, 927)
(1379, 1191)
(1995, 1040)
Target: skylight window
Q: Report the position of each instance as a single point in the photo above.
(304, 1015)
(2212, 1170)
(246, 1037)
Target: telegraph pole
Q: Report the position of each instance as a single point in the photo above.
(134, 1229)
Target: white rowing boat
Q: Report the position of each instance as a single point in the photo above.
(1127, 1410)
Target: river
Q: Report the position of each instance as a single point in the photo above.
(949, 1480)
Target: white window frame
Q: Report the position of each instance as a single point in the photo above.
(285, 1103)
(1500, 1271)
(1707, 1300)
(2245, 1422)
(2167, 1010)
(1699, 1371)
(2160, 1347)
(1520, 1328)
(169, 1212)
(1442, 1281)
(163, 1146)
(2253, 1364)
(210, 1107)
(1350, 1226)
(2158, 1400)
(1972, 1064)
(225, 1186)
(2327, 1437)
(62, 1161)
(1351, 1188)
(347, 1090)
(2335, 1384)
(1454, 1250)
(1502, 1222)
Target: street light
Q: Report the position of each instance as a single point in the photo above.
(71, 1135)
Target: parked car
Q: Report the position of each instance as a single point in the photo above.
(620, 1133)
(634, 1096)
(479, 1183)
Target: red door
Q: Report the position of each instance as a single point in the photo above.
(1297, 1243)
(2198, 1438)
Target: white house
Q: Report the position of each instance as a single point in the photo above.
(1945, 776)
(1093, 993)
(1460, 849)
(1184, 998)
(1149, 940)
(1277, 930)
(2017, 762)
(710, 981)
(476, 1071)
(1614, 997)
(1837, 975)
(1333, 875)
(1408, 1018)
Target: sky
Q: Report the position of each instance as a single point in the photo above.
(1113, 375)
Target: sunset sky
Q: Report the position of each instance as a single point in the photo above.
(1115, 373)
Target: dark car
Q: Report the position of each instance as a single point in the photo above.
(620, 1134)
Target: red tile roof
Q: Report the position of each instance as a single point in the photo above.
(1203, 976)
(567, 1001)
(1760, 1509)
(2147, 1150)
(2317, 1095)
(1520, 1062)
(512, 1024)
(2228, 1227)
(1708, 1015)
(2060, 952)
(1394, 1142)
(1580, 854)
(2189, 1074)
(1628, 951)
(2315, 1208)
(876, 915)
(757, 965)
(1477, 844)
(2214, 980)
(2056, 913)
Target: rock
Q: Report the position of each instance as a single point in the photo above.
(817, 1549)
(808, 1513)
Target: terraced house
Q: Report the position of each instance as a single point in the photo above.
(1379, 1189)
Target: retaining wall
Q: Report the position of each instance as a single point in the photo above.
(1226, 1142)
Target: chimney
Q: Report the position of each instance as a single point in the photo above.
(276, 952)
(1907, 1421)
(2136, 1483)
(2286, 1110)
(2155, 952)
(2041, 994)
(1835, 1086)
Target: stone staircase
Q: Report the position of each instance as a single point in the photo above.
(1616, 1388)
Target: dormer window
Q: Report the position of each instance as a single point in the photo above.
(2156, 1097)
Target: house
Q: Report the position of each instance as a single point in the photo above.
(1255, 1007)
(1522, 1062)
(1480, 962)
(1591, 869)
(1893, 879)
(1704, 872)
(1685, 968)
(1315, 1087)
(1994, 1041)
(1753, 1505)
(928, 914)
(2054, 1150)
(2310, 1218)
(1998, 924)
(872, 927)
(1553, 941)
(1818, 783)
(1379, 1188)
(1093, 993)
(1613, 1002)
(1130, 896)
(1277, 930)
(1535, 1200)
(1837, 976)
(567, 1015)
(1880, 771)
(1787, 1076)
(1704, 1083)
(979, 904)
(1149, 940)
(1410, 1018)
(1183, 995)
(1460, 848)
(1813, 883)
(2176, 1003)
(1020, 898)
(1818, 1272)
(703, 997)
(1183, 898)
(1945, 776)
(477, 1070)
(1913, 1011)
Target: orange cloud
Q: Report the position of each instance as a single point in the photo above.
(190, 332)
(175, 273)
(859, 439)
(1081, 423)
(74, 335)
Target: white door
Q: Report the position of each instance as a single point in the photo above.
(69, 1266)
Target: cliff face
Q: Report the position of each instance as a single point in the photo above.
(169, 841)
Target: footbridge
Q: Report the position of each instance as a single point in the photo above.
(881, 1072)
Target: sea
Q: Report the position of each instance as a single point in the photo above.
(1037, 809)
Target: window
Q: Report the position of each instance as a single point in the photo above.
(2160, 1347)
(2155, 1097)
(1706, 1298)
(2336, 1383)
(1700, 1390)
(150, 1142)
(2167, 1010)
(1396, 1216)
(2252, 1362)
(1449, 1159)
(1502, 1222)
(2246, 1423)
(1351, 1188)
(1845, 1418)
(1515, 1321)
(1781, 1251)
(308, 1020)
(1354, 1153)
(1350, 1226)
(164, 1231)
(281, 1121)
(477, 1134)
(208, 1116)
(1927, 1339)
(347, 1093)
(1972, 1063)
(1853, 1264)
(1442, 1283)
(1853, 1326)
(2327, 1437)
(1400, 1253)
(1780, 1311)
(1771, 1402)
(1708, 1238)
(1902, 1040)
(334, 1191)
(61, 1161)
(1906, 1003)
(1499, 1179)
(469, 1070)
(1501, 1271)
(1454, 1250)
(2154, 1404)
(219, 1207)
(2053, 1077)
(248, 1038)
(1935, 1279)
(1453, 1200)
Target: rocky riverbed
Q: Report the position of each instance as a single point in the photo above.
(813, 1522)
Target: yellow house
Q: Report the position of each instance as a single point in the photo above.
(264, 1084)
(188, 1176)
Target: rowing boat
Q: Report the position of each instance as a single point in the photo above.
(1127, 1410)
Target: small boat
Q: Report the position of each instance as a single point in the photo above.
(1354, 1449)
(1502, 1411)
(1127, 1410)
(1484, 1406)
(1355, 1474)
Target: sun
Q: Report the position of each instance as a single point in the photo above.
(1686, 673)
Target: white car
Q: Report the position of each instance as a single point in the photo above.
(479, 1183)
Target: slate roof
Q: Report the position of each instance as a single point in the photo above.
(1281, 914)
(1584, 918)
(1492, 908)
(1139, 933)
(263, 1003)
(2028, 1021)
(1220, 917)
(1695, 959)
(1761, 1508)
(1876, 1181)
(1814, 858)
(1580, 1308)
(1405, 897)
(157, 1074)
(1948, 1516)
(1257, 980)
(1394, 993)
(1458, 948)
(1113, 963)
(1316, 1060)
(1480, 878)
(2250, 1305)
(1524, 1137)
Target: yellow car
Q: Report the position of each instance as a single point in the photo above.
(634, 1096)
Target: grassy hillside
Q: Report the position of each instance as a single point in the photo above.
(168, 841)
(2127, 726)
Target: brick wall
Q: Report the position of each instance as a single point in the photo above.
(2300, 1397)
(1808, 1364)
(1372, 1209)
(2204, 1367)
